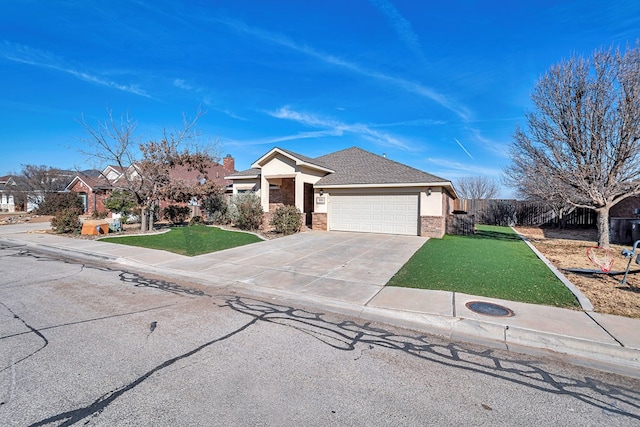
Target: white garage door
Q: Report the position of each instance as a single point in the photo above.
(384, 213)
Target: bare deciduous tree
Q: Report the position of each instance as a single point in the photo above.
(35, 182)
(582, 142)
(477, 187)
(148, 165)
(535, 188)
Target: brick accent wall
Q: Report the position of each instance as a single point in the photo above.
(625, 208)
(285, 195)
(275, 197)
(319, 221)
(288, 189)
(432, 226)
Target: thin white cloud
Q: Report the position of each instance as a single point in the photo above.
(227, 112)
(284, 138)
(452, 169)
(407, 85)
(463, 149)
(37, 58)
(416, 122)
(335, 127)
(499, 149)
(182, 84)
(400, 25)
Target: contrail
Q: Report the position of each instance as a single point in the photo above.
(465, 150)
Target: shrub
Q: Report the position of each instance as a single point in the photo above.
(67, 221)
(58, 202)
(246, 211)
(196, 220)
(216, 208)
(121, 202)
(286, 220)
(220, 217)
(176, 214)
(99, 215)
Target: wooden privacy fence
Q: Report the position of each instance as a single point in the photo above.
(510, 212)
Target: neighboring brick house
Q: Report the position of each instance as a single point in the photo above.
(94, 189)
(626, 208)
(351, 190)
(216, 172)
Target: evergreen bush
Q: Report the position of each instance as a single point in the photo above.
(286, 220)
(176, 214)
(246, 211)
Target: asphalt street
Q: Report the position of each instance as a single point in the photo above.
(103, 345)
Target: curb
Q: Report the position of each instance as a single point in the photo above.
(582, 299)
(599, 355)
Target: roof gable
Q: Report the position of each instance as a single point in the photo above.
(91, 182)
(299, 160)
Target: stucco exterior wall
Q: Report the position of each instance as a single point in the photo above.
(431, 204)
(252, 184)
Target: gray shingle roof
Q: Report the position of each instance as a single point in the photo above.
(357, 166)
(306, 159)
(246, 173)
(354, 166)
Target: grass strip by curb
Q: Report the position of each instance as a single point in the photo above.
(191, 240)
(494, 263)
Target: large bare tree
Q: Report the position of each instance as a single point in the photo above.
(35, 182)
(148, 165)
(477, 187)
(582, 142)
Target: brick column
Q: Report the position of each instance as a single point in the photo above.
(319, 221)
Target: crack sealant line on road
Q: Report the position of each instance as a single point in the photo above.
(59, 250)
(448, 326)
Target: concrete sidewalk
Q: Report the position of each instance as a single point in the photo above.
(348, 276)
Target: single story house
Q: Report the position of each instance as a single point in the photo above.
(350, 190)
(93, 189)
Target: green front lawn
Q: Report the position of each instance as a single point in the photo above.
(494, 263)
(192, 240)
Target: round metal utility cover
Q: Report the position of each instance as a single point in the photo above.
(489, 309)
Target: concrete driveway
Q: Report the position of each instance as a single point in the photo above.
(350, 266)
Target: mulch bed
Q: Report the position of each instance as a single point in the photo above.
(567, 249)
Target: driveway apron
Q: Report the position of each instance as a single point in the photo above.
(350, 266)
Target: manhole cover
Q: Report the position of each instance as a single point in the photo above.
(489, 309)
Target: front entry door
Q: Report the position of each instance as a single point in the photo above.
(308, 204)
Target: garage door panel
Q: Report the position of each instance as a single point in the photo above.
(383, 213)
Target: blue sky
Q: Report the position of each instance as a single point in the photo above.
(439, 86)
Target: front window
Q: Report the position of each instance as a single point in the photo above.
(85, 201)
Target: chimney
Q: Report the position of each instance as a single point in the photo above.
(229, 164)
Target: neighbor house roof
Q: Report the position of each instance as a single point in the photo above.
(92, 182)
(357, 166)
(245, 174)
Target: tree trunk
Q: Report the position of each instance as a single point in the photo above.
(143, 219)
(152, 211)
(603, 226)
